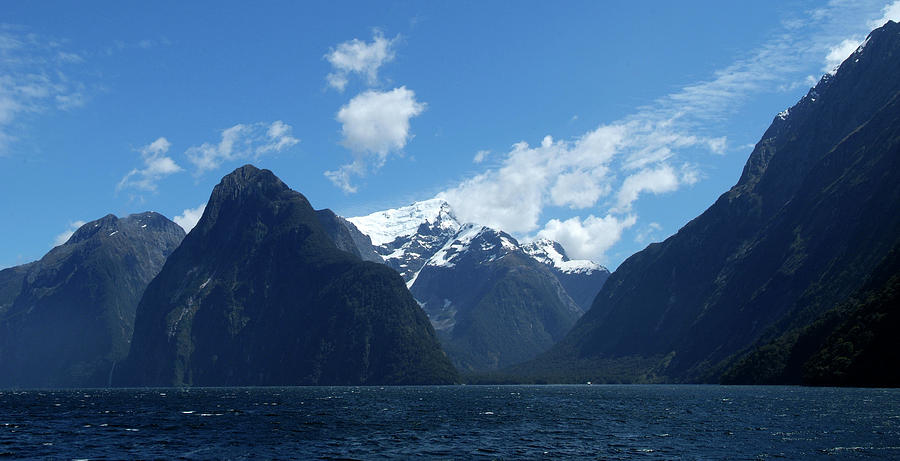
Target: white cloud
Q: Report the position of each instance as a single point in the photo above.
(578, 189)
(576, 174)
(654, 150)
(373, 125)
(358, 57)
(838, 53)
(590, 238)
(890, 12)
(342, 177)
(156, 166)
(189, 218)
(656, 181)
(65, 235)
(36, 75)
(840, 49)
(378, 122)
(481, 156)
(242, 142)
(717, 145)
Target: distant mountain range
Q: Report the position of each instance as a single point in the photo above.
(790, 276)
(67, 320)
(493, 301)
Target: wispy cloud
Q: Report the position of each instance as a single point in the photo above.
(118, 46)
(648, 233)
(238, 143)
(157, 165)
(481, 156)
(654, 150)
(242, 142)
(361, 58)
(343, 176)
(373, 125)
(35, 77)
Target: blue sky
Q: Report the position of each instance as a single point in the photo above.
(604, 125)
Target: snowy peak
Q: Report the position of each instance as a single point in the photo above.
(428, 232)
(407, 237)
(384, 227)
(482, 242)
(552, 254)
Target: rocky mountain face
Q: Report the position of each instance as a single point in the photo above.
(493, 301)
(347, 237)
(581, 279)
(66, 320)
(852, 344)
(813, 216)
(259, 294)
(11, 285)
(406, 238)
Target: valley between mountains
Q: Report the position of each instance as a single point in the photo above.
(791, 277)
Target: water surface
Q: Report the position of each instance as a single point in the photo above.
(610, 422)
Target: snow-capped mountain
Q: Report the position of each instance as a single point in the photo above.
(492, 300)
(491, 304)
(407, 237)
(552, 254)
(582, 279)
(384, 227)
(410, 237)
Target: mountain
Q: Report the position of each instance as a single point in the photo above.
(407, 237)
(347, 237)
(582, 279)
(259, 294)
(852, 344)
(493, 301)
(66, 320)
(11, 280)
(813, 215)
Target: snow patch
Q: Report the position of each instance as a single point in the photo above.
(445, 256)
(862, 45)
(545, 251)
(386, 226)
(507, 244)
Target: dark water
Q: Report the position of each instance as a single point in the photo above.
(462, 422)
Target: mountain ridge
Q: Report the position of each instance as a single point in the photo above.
(492, 300)
(70, 317)
(259, 294)
(815, 207)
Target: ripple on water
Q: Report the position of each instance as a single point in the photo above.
(655, 422)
